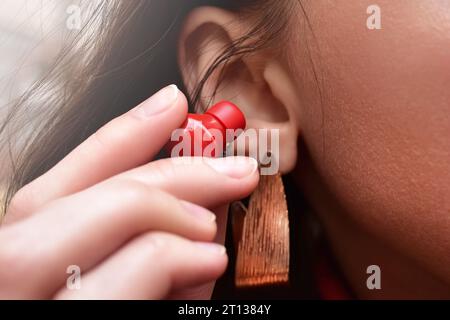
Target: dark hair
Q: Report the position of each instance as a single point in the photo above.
(130, 56)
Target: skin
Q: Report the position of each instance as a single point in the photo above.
(380, 163)
(374, 157)
(373, 163)
(129, 212)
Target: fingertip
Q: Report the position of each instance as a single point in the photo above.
(169, 106)
(233, 167)
(198, 263)
(248, 183)
(203, 221)
(216, 258)
(181, 105)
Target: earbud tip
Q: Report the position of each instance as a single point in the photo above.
(229, 115)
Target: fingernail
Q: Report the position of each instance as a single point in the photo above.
(159, 102)
(213, 248)
(234, 167)
(199, 212)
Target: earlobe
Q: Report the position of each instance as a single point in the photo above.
(258, 82)
(282, 87)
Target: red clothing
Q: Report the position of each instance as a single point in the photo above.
(330, 283)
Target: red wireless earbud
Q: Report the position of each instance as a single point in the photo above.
(205, 131)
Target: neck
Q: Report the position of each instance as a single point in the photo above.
(355, 249)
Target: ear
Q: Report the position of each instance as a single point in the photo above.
(258, 83)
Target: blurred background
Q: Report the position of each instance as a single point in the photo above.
(31, 34)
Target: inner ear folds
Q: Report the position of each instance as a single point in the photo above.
(255, 81)
(236, 78)
(199, 51)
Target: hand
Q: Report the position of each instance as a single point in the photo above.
(137, 230)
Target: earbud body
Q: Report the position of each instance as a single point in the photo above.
(207, 134)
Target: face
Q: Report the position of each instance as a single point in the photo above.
(378, 131)
(372, 109)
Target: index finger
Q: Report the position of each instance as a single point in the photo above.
(124, 143)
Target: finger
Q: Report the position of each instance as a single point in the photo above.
(202, 291)
(126, 142)
(84, 228)
(222, 219)
(150, 267)
(205, 290)
(209, 182)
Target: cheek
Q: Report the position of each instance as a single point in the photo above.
(379, 129)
